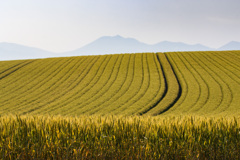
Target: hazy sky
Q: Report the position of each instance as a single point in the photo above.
(63, 25)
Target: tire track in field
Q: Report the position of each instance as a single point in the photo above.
(180, 77)
(173, 89)
(160, 70)
(148, 97)
(191, 78)
(159, 93)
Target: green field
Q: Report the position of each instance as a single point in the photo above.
(182, 83)
(174, 105)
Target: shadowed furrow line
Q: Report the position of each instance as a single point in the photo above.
(126, 91)
(163, 84)
(93, 94)
(89, 79)
(213, 87)
(23, 100)
(173, 88)
(225, 80)
(14, 69)
(124, 74)
(107, 88)
(152, 90)
(120, 98)
(25, 79)
(126, 108)
(8, 66)
(135, 87)
(224, 88)
(55, 85)
(45, 106)
(198, 90)
(204, 87)
(157, 86)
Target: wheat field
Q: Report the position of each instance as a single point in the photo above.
(195, 83)
(174, 105)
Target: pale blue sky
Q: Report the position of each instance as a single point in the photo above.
(63, 25)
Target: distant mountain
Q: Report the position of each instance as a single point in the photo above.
(118, 44)
(231, 46)
(12, 51)
(110, 45)
(166, 46)
(105, 45)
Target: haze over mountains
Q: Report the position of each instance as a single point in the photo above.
(106, 45)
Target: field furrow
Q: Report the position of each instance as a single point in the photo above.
(109, 88)
(193, 85)
(5, 66)
(132, 88)
(26, 78)
(173, 83)
(102, 85)
(13, 69)
(87, 81)
(24, 97)
(126, 74)
(172, 90)
(220, 78)
(56, 86)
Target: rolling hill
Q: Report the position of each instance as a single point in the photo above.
(171, 83)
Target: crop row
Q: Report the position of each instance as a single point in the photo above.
(196, 83)
(209, 81)
(112, 84)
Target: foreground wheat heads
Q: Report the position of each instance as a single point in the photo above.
(195, 83)
(96, 137)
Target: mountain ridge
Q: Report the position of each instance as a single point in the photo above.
(106, 45)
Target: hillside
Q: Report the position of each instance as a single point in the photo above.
(187, 83)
